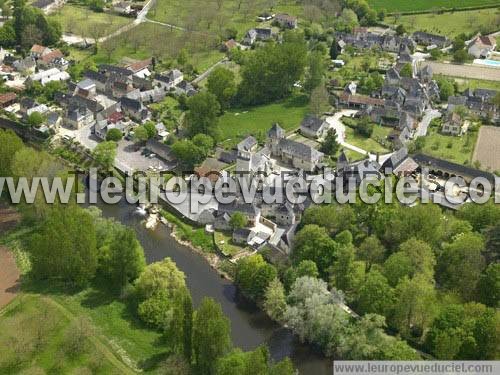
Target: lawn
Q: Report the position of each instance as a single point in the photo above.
(419, 5)
(80, 20)
(40, 336)
(225, 244)
(371, 144)
(450, 24)
(234, 14)
(236, 124)
(454, 149)
(465, 83)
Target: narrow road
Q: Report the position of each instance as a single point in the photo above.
(423, 125)
(207, 72)
(339, 128)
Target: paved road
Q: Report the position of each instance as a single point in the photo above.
(339, 127)
(423, 125)
(205, 74)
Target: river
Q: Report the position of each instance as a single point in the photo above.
(250, 327)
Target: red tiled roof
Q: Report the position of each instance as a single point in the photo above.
(7, 97)
(51, 56)
(139, 65)
(115, 117)
(37, 48)
(231, 43)
(361, 99)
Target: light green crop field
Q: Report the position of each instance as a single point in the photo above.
(451, 24)
(420, 5)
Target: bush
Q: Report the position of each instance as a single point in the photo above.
(114, 135)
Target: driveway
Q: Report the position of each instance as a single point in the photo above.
(429, 115)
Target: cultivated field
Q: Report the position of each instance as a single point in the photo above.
(451, 24)
(421, 5)
(84, 22)
(464, 71)
(487, 151)
(456, 149)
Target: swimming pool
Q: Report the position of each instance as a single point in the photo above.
(493, 63)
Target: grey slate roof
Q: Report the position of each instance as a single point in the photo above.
(276, 131)
(299, 149)
(247, 144)
(312, 122)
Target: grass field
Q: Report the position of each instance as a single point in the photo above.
(369, 144)
(464, 83)
(225, 244)
(455, 149)
(420, 5)
(82, 21)
(451, 24)
(41, 336)
(238, 15)
(235, 124)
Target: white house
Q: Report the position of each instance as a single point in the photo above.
(46, 76)
(482, 46)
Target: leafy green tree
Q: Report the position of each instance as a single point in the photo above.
(187, 153)
(163, 276)
(187, 327)
(364, 127)
(35, 119)
(406, 70)
(105, 154)
(275, 300)
(150, 129)
(397, 266)
(330, 146)
(141, 134)
(343, 269)
(489, 285)
(446, 88)
(126, 258)
(211, 336)
(11, 144)
(304, 268)
(375, 295)
(114, 135)
(201, 117)
(371, 251)
(221, 82)
(238, 220)
(7, 35)
(460, 56)
(205, 143)
(315, 71)
(415, 305)
(253, 275)
(464, 254)
(313, 243)
(421, 256)
(334, 218)
(60, 249)
(271, 71)
(481, 216)
(400, 30)
(334, 50)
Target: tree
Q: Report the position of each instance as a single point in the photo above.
(334, 50)
(61, 249)
(334, 218)
(201, 117)
(271, 71)
(11, 144)
(415, 305)
(371, 251)
(313, 243)
(406, 70)
(238, 220)
(187, 153)
(330, 146)
(464, 254)
(446, 88)
(253, 275)
(364, 127)
(275, 300)
(205, 143)
(315, 71)
(105, 154)
(489, 285)
(114, 135)
(421, 256)
(211, 336)
(460, 56)
(187, 327)
(163, 276)
(126, 259)
(319, 101)
(35, 119)
(400, 30)
(222, 84)
(150, 129)
(141, 134)
(375, 295)
(397, 266)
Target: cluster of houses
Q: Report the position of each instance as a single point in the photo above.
(362, 39)
(478, 102)
(282, 20)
